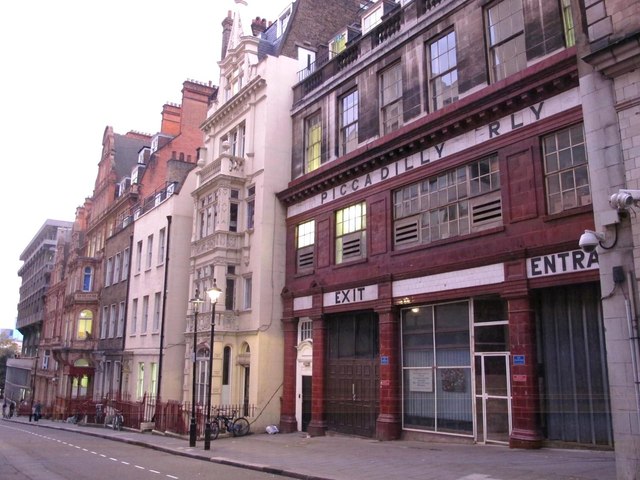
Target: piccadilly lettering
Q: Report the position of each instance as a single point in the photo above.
(494, 127)
(559, 263)
(524, 117)
(436, 152)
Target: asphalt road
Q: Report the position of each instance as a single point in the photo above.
(31, 453)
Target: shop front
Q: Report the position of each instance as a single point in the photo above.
(488, 360)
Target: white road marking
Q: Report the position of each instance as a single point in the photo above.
(173, 477)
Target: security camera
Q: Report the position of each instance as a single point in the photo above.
(624, 199)
(589, 240)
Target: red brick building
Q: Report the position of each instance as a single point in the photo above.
(434, 282)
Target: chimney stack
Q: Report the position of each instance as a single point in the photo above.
(258, 25)
(226, 33)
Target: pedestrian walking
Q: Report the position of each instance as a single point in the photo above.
(37, 411)
(12, 408)
(5, 407)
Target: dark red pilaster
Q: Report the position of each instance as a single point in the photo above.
(524, 378)
(388, 423)
(318, 425)
(288, 422)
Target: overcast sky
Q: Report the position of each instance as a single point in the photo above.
(69, 69)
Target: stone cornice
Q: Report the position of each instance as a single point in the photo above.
(617, 57)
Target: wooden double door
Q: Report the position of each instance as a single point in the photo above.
(352, 374)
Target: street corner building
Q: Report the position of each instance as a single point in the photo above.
(441, 178)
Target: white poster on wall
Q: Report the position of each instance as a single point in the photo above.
(421, 380)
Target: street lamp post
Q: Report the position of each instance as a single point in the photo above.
(214, 292)
(195, 302)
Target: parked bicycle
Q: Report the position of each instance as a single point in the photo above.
(237, 426)
(115, 421)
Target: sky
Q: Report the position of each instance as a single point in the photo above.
(69, 69)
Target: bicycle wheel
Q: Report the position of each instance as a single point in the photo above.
(215, 429)
(240, 427)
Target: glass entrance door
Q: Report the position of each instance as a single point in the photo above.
(493, 397)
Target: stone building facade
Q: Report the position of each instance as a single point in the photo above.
(609, 52)
(434, 285)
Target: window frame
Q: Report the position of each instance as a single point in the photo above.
(305, 238)
(348, 121)
(446, 95)
(313, 142)
(134, 316)
(501, 70)
(149, 261)
(84, 319)
(391, 121)
(157, 309)
(121, 316)
(562, 172)
(251, 206)
(452, 203)
(351, 226)
(87, 279)
(247, 292)
(145, 314)
(162, 234)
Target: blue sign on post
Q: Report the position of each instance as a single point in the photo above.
(518, 360)
(384, 360)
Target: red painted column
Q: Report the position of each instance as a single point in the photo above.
(318, 425)
(524, 377)
(288, 423)
(388, 423)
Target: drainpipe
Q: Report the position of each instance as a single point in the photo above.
(634, 337)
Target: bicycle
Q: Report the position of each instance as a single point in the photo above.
(117, 420)
(237, 426)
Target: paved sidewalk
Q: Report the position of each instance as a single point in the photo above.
(337, 457)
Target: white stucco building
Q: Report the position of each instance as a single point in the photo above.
(158, 293)
(238, 235)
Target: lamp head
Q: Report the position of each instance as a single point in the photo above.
(214, 292)
(196, 301)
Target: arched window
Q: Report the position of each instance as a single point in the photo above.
(85, 324)
(305, 329)
(226, 365)
(87, 279)
(202, 374)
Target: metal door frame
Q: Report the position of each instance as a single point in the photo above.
(484, 396)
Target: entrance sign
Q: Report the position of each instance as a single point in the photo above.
(561, 263)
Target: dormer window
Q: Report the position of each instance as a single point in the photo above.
(154, 144)
(372, 18)
(136, 173)
(283, 21)
(143, 154)
(124, 184)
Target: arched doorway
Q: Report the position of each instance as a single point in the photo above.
(246, 380)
